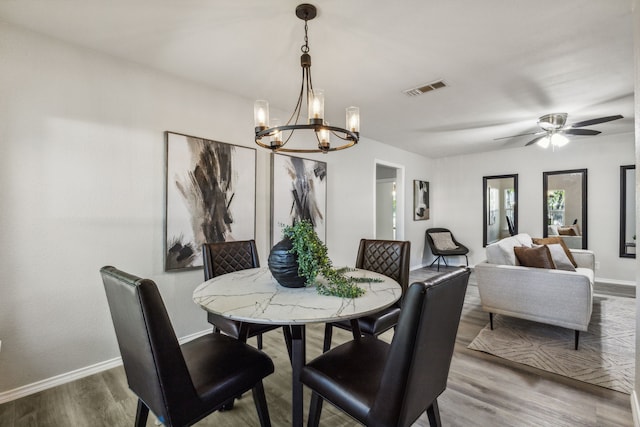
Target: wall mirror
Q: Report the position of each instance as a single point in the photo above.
(500, 207)
(564, 206)
(628, 211)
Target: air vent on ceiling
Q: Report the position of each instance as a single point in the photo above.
(425, 88)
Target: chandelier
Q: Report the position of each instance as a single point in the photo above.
(276, 136)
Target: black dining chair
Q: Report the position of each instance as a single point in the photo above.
(385, 385)
(227, 257)
(180, 384)
(388, 257)
(444, 245)
(512, 229)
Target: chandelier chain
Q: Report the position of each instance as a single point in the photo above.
(305, 47)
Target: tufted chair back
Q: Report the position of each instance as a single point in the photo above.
(227, 257)
(388, 257)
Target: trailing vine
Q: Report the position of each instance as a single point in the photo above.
(313, 259)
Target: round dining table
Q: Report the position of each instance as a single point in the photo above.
(254, 296)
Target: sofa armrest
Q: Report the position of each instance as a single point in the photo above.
(584, 258)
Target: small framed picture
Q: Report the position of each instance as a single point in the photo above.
(420, 200)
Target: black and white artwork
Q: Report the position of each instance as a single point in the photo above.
(420, 200)
(211, 194)
(298, 191)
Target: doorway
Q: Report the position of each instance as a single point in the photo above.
(389, 201)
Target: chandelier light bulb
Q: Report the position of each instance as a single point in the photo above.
(324, 137)
(276, 136)
(353, 119)
(261, 114)
(316, 106)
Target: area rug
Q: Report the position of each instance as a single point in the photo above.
(606, 353)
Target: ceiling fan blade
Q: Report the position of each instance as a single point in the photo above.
(534, 140)
(514, 136)
(581, 131)
(596, 121)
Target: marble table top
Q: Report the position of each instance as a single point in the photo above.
(254, 296)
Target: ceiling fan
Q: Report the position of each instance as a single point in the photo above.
(554, 129)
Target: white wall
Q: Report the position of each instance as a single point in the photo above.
(83, 176)
(460, 193)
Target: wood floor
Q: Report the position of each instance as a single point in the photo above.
(483, 390)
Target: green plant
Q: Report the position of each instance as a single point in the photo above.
(313, 259)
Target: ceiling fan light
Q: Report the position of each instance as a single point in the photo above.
(544, 142)
(558, 140)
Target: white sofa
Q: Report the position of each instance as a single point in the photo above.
(555, 297)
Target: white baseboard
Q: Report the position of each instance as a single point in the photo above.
(48, 383)
(67, 377)
(635, 409)
(615, 281)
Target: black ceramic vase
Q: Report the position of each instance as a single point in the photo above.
(284, 265)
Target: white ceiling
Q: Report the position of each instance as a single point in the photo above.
(506, 62)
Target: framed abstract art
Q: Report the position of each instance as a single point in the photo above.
(298, 191)
(210, 197)
(420, 200)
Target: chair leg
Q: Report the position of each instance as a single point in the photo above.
(433, 413)
(491, 321)
(286, 332)
(141, 414)
(466, 260)
(259, 338)
(439, 262)
(577, 338)
(261, 405)
(315, 409)
(328, 334)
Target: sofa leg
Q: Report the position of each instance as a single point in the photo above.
(577, 338)
(491, 321)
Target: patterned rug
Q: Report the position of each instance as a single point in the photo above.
(606, 353)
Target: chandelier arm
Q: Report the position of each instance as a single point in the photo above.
(337, 135)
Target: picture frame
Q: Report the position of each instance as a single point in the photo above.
(210, 192)
(420, 200)
(298, 191)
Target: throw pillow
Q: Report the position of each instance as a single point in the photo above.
(538, 257)
(556, 239)
(560, 258)
(443, 241)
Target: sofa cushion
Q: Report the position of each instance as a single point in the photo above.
(501, 252)
(559, 240)
(567, 231)
(560, 258)
(538, 257)
(524, 240)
